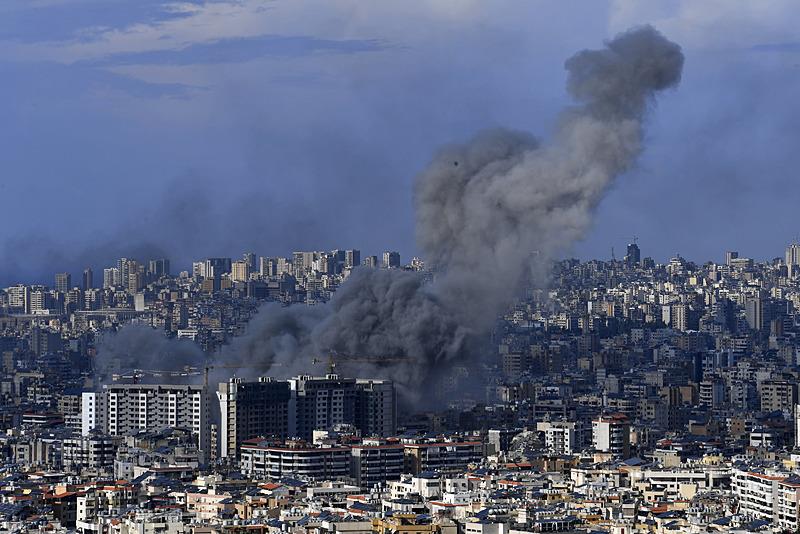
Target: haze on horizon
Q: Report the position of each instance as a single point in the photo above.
(193, 129)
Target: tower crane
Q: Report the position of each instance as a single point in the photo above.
(333, 356)
(210, 366)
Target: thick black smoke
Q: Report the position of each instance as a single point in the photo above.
(482, 209)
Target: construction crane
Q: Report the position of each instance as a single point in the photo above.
(332, 358)
(136, 374)
(211, 366)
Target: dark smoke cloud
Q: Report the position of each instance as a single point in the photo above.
(482, 209)
(385, 322)
(140, 347)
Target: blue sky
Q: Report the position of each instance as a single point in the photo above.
(208, 128)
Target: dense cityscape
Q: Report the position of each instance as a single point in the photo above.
(625, 395)
(186, 349)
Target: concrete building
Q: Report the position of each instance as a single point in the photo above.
(240, 271)
(294, 459)
(793, 259)
(563, 437)
(789, 504)
(442, 457)
(711, 393)
(122, 408)
(92, 451)
(778, 395)
(63, 282)
(158, 268)
(757, 494)
(611, 434)
(321, 403)
(499, 440)
(375, 462)
(111, 277)
(391, 260)
(376, 407)
(352, 258)
(19, 298)
(250, 410)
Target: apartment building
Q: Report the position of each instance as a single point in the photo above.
(258, 458)
(119, 409)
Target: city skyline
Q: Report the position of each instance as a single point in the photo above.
(428, 267)
(615, 252)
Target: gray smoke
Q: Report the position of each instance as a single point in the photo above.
(482, 209)
(387, 323)
(140, 347)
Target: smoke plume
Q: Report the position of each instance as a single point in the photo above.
(140, 347)
(483, 208)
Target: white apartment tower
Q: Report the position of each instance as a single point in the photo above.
(122, 408)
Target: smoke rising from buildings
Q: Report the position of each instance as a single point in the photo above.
(141, 347)
(482, 209)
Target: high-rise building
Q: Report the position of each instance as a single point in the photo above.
(563, 437)
(376, 407)
(679, 317)
(19, 298)
(216, 267)
(158, 268)
(45, 341)
(111, 277)
(634, 255)
(267, 267)
(240, 271)
(283, 265)
(370, 261)
(63, 282)
(88, 279)
(338, 257)
(250, 410)
(391, 260)
(40, 299)
(73, 300)
(352, 258)
(302, 262)
(321, 403)
(123, 266)
(793, 259)
(730, 256)
(758, 312)
(711, 393)
(122, 408)
(251, 259)
(135, 281)
(199, 269)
